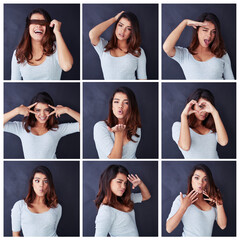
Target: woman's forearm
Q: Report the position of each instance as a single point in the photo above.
(144, 191)
(64, 56)
(170, 42)
(16, 234)
(173, 222)
(97, 31)
(221, 217)
(184, 141)
(117, 149)
(9, 115)
(73, 114)
(221, 131)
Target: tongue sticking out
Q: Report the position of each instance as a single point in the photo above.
(207, 42)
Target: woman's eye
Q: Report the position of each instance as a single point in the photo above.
(46, 181)
(126, 103)
(129, 29)
(115, 101)
(196, 178)
(37, 181)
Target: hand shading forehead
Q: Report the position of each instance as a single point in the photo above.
(38, 22)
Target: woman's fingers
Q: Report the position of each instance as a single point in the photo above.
(32, 105)
(51, 106)
(51, 113)
(32, 112)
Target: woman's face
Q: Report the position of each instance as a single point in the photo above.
(199, 107)
(40, 184)
(37, 31)
(120, 105)
(124, 29)
(118, 184)
(206, 34)
(42, 112)
(199, 181)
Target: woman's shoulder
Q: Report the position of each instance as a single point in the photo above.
(100, 124)
(106, 210)
(19, 204)
(176, 125)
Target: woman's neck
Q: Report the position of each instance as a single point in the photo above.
(122, 44)
(36, 47)
(202, 50)
(40, 125)
(39, 200)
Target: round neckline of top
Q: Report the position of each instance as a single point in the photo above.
(36, 213)
(117, 57)
(203, 210)
(38, 135)
(117, 209)
(201, 61)
(39, 64)
(210, 131)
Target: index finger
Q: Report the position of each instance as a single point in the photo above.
(52, 113)
(30, 106)
(51, 106)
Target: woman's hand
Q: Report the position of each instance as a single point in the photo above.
(58, 110)
(188, 108)
(207, 106)
(118, 15)
(23, 110)
(189, 199)
(117, 128)
(56, 25)
(135, 180)
(214, 200)
(195, 24)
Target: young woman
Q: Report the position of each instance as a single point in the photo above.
(206, 57)
(199, 207)
(115, 202)
(122, 56)
(42, 53)
(40, 131)
(201, 127)
(39, 213)
(119, 135)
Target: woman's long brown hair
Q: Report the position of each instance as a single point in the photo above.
(217, 46)
(132, 121)
(134, 40)
(51, 199)
(24, 48)
(105, 192)
(212, 190)
(209, 121)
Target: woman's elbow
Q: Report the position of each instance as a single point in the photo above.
(184, 147)
(168, 229)
(224, 143)
(146, 198)
(66, 67)
(223, 226)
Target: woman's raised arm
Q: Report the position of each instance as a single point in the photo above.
(170, 42)
(96, 32)
(22, 110)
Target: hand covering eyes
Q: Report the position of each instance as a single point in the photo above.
(38, 22)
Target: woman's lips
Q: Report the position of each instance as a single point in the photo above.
(207, 42)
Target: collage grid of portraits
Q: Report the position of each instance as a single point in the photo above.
(158, 85)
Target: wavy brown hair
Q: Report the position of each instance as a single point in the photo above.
(217, 45)
(24, 48)
(212, 190)
(30, 121)
(209, 121)
(105, 192)
(134, 40)
(51, 199)
(132, 121)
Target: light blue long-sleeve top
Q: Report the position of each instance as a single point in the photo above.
(44, 146)
(104, 141)
(202, 146)
(117, 223)
(48, 70)
(196, 222)
(212, 69)
(35, 224)
(121, 68)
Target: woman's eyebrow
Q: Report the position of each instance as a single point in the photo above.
(124, 24)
